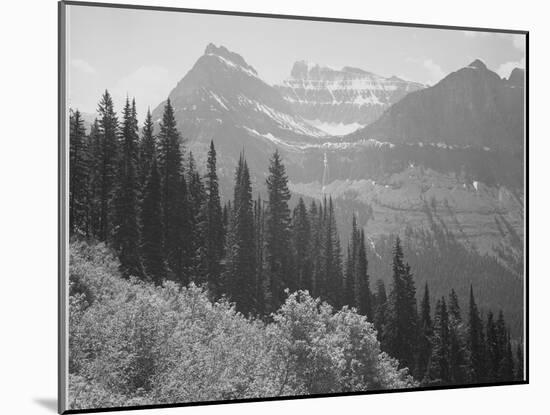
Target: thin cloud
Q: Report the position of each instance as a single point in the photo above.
(436, 73)
(472, 33)
(506, 68)
(519, 41)
(82, 66)
(150, 85)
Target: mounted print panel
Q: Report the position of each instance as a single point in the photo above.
(258, 207)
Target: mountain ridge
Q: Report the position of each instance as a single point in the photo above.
(349, 96)
(471, 106)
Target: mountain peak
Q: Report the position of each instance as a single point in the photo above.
(460, 110)
(226, 54)
(517, 77)
(351, 69)
(301, 69)
(477, 64)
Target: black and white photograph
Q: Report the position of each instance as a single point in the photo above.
(264, 207)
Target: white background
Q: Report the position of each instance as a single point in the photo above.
(28, 204)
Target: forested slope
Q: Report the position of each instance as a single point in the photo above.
(134, 343)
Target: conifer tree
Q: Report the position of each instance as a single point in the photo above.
(518, 374)
(439, 372)
(259, 225)
(331, 277)
(226, 215)
(425, 336)
(78, 175)
(240, 277)
(349, 294)
(380, 308)
(125, 202)
(277, 248)
(493, 348)
(147, 147)
(174, 197)
(301, 237)
(400, 330)
(506, 369)
(325, 251)
(229, 238)
(196, 199)
(315, 220)
(107, 164)
(151, 228)
(356, 284)
(476, 361)
(363, 294)
(457, 352)
(502, 340)
(213, 226)
(94, 180)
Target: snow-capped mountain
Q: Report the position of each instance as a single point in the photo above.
(222, 98)
(222, 88)
(340, 101)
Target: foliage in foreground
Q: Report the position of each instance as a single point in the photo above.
(134, 343)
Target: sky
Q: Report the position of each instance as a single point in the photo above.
(144, 53)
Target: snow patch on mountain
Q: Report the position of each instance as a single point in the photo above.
(327, 145)
(235, 66)
(341, 96)
(283, 120)
(218, 99)
(337, 129)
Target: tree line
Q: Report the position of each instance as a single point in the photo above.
(443, 347)
(143, 195)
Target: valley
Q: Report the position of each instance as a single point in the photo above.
(399, 155)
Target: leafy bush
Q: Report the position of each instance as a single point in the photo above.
(132, 343)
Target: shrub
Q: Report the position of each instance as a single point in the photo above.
(132, 343)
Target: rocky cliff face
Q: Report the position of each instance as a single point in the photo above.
(222, 88)
(340, 101)
(222, 98)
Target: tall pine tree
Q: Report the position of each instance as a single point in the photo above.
(152, 234)
(107, 165)
(213, 226)
(457, 347)
(425, 336)
(79, 173)
(315, 247)
(240, 278)
(261, 294)
(125, 203)
(476, 350)
(301, 237)
(351, 260)
(147, 147)
(381, 300)
(439, 369)
(518, 374)
(277, 248)
(175, 219)
(493, 348)
(363, 294)
(400, 331)
(196, 199)
(331, 279)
